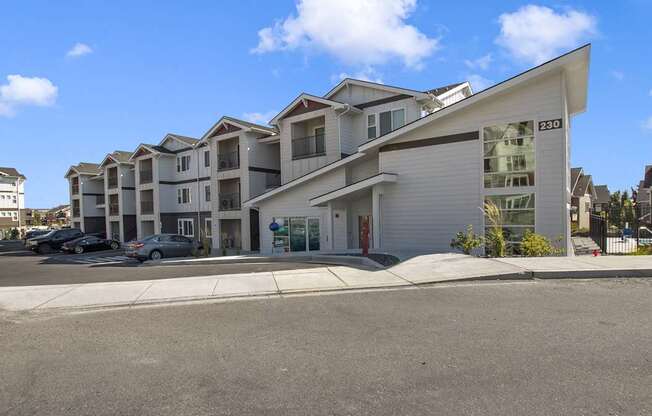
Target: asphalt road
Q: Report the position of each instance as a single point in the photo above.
(20, 267)
(526, 348)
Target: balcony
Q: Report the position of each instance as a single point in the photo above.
(76, 212)
(309, 146)
(272, 180)
(113, 182)
(114, 209)
(229, 201)
(145, 176)
(99, 200)
(146, 207)
(229, 160)
(75, 189)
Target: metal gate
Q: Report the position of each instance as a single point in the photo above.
(617, 239)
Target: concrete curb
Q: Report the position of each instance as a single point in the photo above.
(337, 260)
(591, 274)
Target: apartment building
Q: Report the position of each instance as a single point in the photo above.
(246, 164)
(119, 196)
(173, 187)
(12, 199)
(87, 201)
(415, 170)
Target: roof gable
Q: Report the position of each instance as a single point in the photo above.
(374, 85)
(310, 103)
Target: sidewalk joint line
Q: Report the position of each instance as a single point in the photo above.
(141, 294)
(58, 296)
(217, 280)
(336, 276)
(278, 289)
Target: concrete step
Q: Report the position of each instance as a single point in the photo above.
(584, 245)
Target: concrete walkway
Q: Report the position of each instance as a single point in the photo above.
(419, 270)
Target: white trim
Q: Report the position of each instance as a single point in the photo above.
(303, 98)
(358, 186)
(452, 91)
(180, 227)
(419, 95)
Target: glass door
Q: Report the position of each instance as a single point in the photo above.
(297, 234)
(313, 234)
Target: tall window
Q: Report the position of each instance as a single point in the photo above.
(371, 126)
(207, 158)
(183, 163)
(518, 216)
(208, 227)
(183, 195)
(509, 155)
(207, 193)
(296, 234)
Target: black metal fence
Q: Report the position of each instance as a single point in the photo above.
(618, 239)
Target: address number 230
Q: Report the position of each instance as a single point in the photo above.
(550, 124)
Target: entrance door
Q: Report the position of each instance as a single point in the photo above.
(297, 234)
(313, 234)
(365, 220)
(254, 230)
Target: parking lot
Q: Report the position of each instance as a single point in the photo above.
(21, 267)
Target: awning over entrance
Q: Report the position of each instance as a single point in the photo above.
(356, 187)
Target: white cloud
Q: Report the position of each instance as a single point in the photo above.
(362, 33)
(619, 75)
(259, 118)
(79, 49)
(366, 74)
(647, 124)
(22, 91)
(534, 34)
(481, 63)
(479, 83)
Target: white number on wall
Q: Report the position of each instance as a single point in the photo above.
(550, 124)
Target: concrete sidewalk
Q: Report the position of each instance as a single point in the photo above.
(419, 270)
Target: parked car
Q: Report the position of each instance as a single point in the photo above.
(52, 241)
(89, 243)
(34, 233)
(158, 246)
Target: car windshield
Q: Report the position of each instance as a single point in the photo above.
(49, 233)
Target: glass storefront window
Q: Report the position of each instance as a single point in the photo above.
(313, 234)
(297, 234)
(291, 235)
(509, 158)
(518, 216)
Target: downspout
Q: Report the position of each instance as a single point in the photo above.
(339, 124)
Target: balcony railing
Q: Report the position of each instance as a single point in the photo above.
(146, 207)
(272, 180)
(114, 209)
(229, 202)
(145, 176)
(309, 146)
(75, 189)
(76, 212)
(113, 182)
(230, 160)
(99, 200)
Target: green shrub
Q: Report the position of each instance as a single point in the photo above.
(466, 242)
(537, 245)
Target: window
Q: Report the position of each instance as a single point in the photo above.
(509, 158)
(208, 227)
(296, 234)
(320, 134)
(183, 163)
(518, 216)
(371, 126)
(183, 195)
(391, 120)
(14, 216)
(207, 193)
(186, 227)
(207, 158)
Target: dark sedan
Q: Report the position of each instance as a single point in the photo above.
(89, 243)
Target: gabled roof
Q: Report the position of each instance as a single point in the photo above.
(575, 175)
(191, 141)
(584, 186)
(390, 88)
(84, 168)
(226, 121)
(602, 194)
(647, 181)
(118, 156)
(304, 98)
(150, 148)
(11, 172)
(441, 90)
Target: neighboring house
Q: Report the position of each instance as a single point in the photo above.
(601, 202)
(86, 186)
(416, 171)
(173, 187)
(12, 200)
(119, 196)
(644, 197)
(245, 164)
(58, 216)
(583, 196)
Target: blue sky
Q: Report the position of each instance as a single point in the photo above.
(79, 79)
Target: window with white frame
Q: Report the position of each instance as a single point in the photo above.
(371, 126)
(207, 193)
(14, 215)
(183, 163)
(509, 158)
(183, 195)
(208, 227)
(186, 227)
(207, 158)
(391, 120)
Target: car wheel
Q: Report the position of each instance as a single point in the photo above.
(155, 255)
(44, 249)
(115, 245)
(79, 249)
